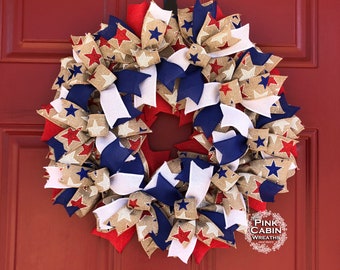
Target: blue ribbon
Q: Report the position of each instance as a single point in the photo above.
(134, 113)
(133, 167)
(191, 85)
(64, 197)
(80, 94)
(114, 156)
(164, 191)
(268, 190)
(208, 118)
(218, 219)
(199, 15)
(164, 229)
(58, 148)
(258, 58)
(232, 148)
(168, 72)
(111, 30)
(185, 168)
(128, 81)
(289, 111)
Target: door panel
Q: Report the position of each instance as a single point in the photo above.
(34, 234)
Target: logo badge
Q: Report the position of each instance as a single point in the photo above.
(266, 231)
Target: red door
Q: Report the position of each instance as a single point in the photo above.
(35, 235)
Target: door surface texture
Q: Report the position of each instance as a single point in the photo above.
(35, 234)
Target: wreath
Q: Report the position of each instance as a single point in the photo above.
(200, 66)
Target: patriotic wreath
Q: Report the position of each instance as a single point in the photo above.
(200, 66)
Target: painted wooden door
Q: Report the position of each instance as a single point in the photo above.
(36, 235)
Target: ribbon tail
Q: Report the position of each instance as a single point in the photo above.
(183, 253)
(261, 106)
(113, 105)
(147, 88)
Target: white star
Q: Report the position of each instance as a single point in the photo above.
(260, 95)
(124, 213)
(124, 129)
(69, 159)
(104, 183)
(294, 121)
(109, 79)
(218, 38)
(71, 183)
(143, 60)
(281, 124)
(234, 192)
(140, 230)
(247, 74)
(57, 117)
(229, 72)
(65, 61)
(212, 229)
(202, 34)
(94, 191)
(95, 129)
(172, 98)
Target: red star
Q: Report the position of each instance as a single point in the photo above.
(191, 9)
(133, 203)
(226, 45)
(92, 76)
(78, 203)
(134, 145)
(87, 148)
(47, 107)
(121, 36)
(93, 56)
(201, 236)
(215, 67)
(178, 46)
(182, 236)
(219, 197)
(289, 148)
(104, 42)
(214, 22)
(271, 80)
(71, 135)
(257, 190)
(225, 88)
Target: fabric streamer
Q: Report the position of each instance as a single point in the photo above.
(195, 64)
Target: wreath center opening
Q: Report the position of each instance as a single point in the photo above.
(166, 133)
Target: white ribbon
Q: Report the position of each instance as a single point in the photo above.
(176, 249)
(113, 105)
(261, 105)
(241, 33)
(236, 118)
(199, 182)
(55, 176)
(147, 88)
(125, 183)
(105, 212)
(210, 96)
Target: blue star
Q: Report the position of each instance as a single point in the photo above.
(273, 169)
(237, 25)
(221, 173)
(154, 33)
(264, 81)
(71, 110)
(83, 173)
(76, 70)
(60, 80)
(259, 142)
(194, 58)
(183, 205)
(187, 25)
